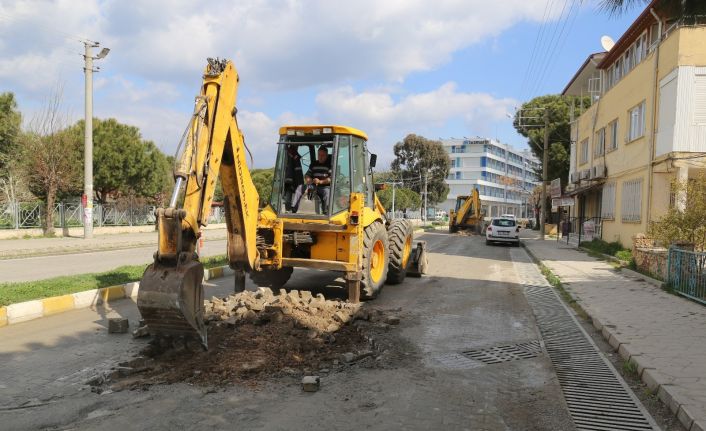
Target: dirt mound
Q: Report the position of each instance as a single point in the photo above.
(260, 334)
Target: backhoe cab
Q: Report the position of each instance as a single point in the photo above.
(322, 213)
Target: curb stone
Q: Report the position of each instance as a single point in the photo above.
(38, 308)
(648, 375)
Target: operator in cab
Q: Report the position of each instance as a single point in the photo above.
(318, 178)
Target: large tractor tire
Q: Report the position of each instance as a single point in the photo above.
(375, 260)
(400, 238)
(275, 279)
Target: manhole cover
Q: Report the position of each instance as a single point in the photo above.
(512, 352)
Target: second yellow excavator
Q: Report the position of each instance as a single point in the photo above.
(322, 214)
(468, 213)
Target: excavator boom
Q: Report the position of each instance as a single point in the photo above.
(170, 298)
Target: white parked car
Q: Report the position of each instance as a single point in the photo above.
(503, 229)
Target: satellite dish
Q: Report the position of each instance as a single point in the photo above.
(607, 43)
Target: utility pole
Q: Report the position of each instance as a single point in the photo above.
(545, 161)
(87, 199)
(394, 183)
(426, 208)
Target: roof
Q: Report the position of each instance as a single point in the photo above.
(579, 83)
(341, 130)
(645, 20)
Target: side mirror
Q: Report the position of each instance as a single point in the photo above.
(373, 160)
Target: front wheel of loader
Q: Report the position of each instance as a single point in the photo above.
(275, 279)
(400, 238)
(375, 260)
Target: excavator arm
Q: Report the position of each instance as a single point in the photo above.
(170, 298)
(470, 208)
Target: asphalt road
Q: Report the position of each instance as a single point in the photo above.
(38, 268)
(471, 299)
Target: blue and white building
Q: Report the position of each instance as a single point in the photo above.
(504, 176)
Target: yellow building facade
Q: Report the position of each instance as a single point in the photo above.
(645, 126)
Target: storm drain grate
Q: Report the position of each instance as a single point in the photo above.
(597, 398)
(498, 354)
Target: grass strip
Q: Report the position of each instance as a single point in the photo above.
(12, 293)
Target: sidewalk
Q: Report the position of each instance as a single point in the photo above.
(664, 334)
(15, 248)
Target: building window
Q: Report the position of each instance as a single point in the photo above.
(700, 99)
(637, 122)
(483, 161)
(458, 175)
(599, 149)
(458, 162)
(584, 151)
(613, 135)
(608, 202)
(632, 200)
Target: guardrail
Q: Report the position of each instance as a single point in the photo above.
(28, 215)
(686, 273)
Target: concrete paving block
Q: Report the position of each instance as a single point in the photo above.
(624, 351)
(614, 342)
(3, 316)
(131, 289)
(597, 323)
(641, 367)
(58, 304)
(311, 383)
(665, 395)
(685, 416)
(698, 425)
(649, 377)
(24, 311)
(87, 298)
(118, 325)
(605, 332)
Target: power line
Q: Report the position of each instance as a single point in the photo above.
(561, 41)
(540, 33)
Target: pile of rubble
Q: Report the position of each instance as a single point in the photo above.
(305, 311)
(257, 334)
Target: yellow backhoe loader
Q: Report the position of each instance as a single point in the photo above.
(322, 214)
(468, 213)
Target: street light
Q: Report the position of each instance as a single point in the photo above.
(87, 198)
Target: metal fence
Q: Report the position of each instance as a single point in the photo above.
(29, 215)
(578, 229)
(685, 273)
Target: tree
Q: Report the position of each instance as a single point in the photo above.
(687, 9)
(684, 221)
(404, 199)
(417, 158)
(124, 164)
(263, 183)
(529, 122)
(50, 152)
(10, 160)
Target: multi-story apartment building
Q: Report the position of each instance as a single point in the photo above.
(644, 127)
(503, 176)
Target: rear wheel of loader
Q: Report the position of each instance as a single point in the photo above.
(375, 260)
(275, 279)
(399, 237)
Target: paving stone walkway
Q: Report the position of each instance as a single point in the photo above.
(664, 334)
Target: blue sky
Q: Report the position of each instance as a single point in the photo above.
(450, 68)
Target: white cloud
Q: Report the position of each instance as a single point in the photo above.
(158, 50)
(387, 120)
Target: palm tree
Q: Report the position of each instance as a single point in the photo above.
(689, 9)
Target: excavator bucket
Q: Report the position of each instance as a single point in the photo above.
(418, 263)
(170, 300)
